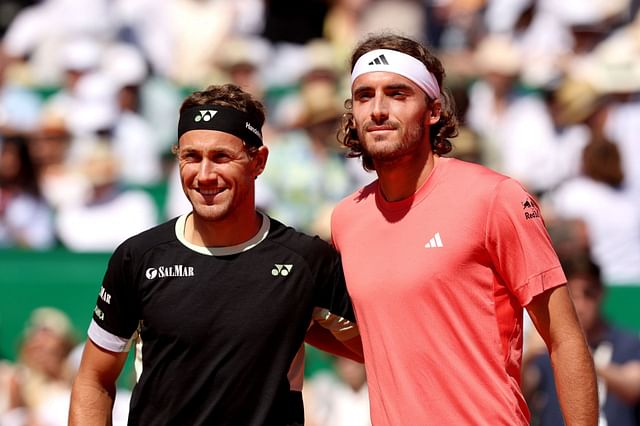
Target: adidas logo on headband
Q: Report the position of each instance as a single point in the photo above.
(205, 115)
(388, 60)
(379, 60)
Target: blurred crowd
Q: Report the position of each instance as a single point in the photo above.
(35, 389)
(547, 92)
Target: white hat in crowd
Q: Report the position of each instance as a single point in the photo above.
(125, 64)
(80, 54)
(94, 106)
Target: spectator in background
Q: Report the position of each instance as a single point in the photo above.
(25, 218)
(342, 26)
(611, 218)
(242, 60)
(339, 397)
(616, 71)
(198, 30)
(38, 385)
(495, 99)
(77, 57)
(519, 135)
(135, 142)
(111, 213)
(97, 114)
(40, 32)
(616, 353)
(452, 24)
(19, 107)
(60, 180)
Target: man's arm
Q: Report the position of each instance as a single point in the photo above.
(323, 339)
(94, 388)
(554, 317)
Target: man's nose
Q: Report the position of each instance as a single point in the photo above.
(379, 109)
(207, 170)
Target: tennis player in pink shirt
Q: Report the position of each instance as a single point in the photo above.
(441, 256)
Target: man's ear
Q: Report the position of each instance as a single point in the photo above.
(260, 158)
(435, 111)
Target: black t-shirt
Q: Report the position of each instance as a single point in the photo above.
(217, 329)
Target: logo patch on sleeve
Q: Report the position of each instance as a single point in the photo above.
(531, 210)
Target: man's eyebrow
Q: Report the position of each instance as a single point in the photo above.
(394, 86)
(361, 89)
(399, 86)
(186, 149)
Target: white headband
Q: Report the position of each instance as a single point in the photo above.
(398, 63)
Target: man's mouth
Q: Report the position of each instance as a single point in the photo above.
(210, 192)
(380, 128)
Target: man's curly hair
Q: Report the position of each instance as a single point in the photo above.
(439, 133)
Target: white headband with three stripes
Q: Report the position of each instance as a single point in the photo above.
(399, 63)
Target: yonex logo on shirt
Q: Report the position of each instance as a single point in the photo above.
(205, 115)
(282, 270)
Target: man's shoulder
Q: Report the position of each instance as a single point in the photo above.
(290, 238)
(152, 237)
(481, 181)
(359, 198)
(466, 170)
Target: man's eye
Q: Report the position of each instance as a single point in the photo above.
(222, 157)
(189, 156)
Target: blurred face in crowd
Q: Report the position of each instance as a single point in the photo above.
(49, 147)
(9, 162)
(218, 173)
(586, 298)
(45, 351)
(351, 372)
(391, 115)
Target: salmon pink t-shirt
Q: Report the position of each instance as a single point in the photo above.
(438, 283)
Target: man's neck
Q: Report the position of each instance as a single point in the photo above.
(222, 233)
(403, 178)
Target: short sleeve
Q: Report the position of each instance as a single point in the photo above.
(115, 317)
(519, 243)
(332, 290)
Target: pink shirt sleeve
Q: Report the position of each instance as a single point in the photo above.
(519, 243)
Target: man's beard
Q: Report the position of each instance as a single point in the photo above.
(389, 152)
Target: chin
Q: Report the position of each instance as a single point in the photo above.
(211, 213)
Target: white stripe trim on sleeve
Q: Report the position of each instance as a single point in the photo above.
(107, 340)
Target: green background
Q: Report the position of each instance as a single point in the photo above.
(71, 281)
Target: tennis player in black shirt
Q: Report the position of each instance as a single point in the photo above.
(218, 301)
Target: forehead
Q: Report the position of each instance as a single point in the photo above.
(377, 79)
(210, 139)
